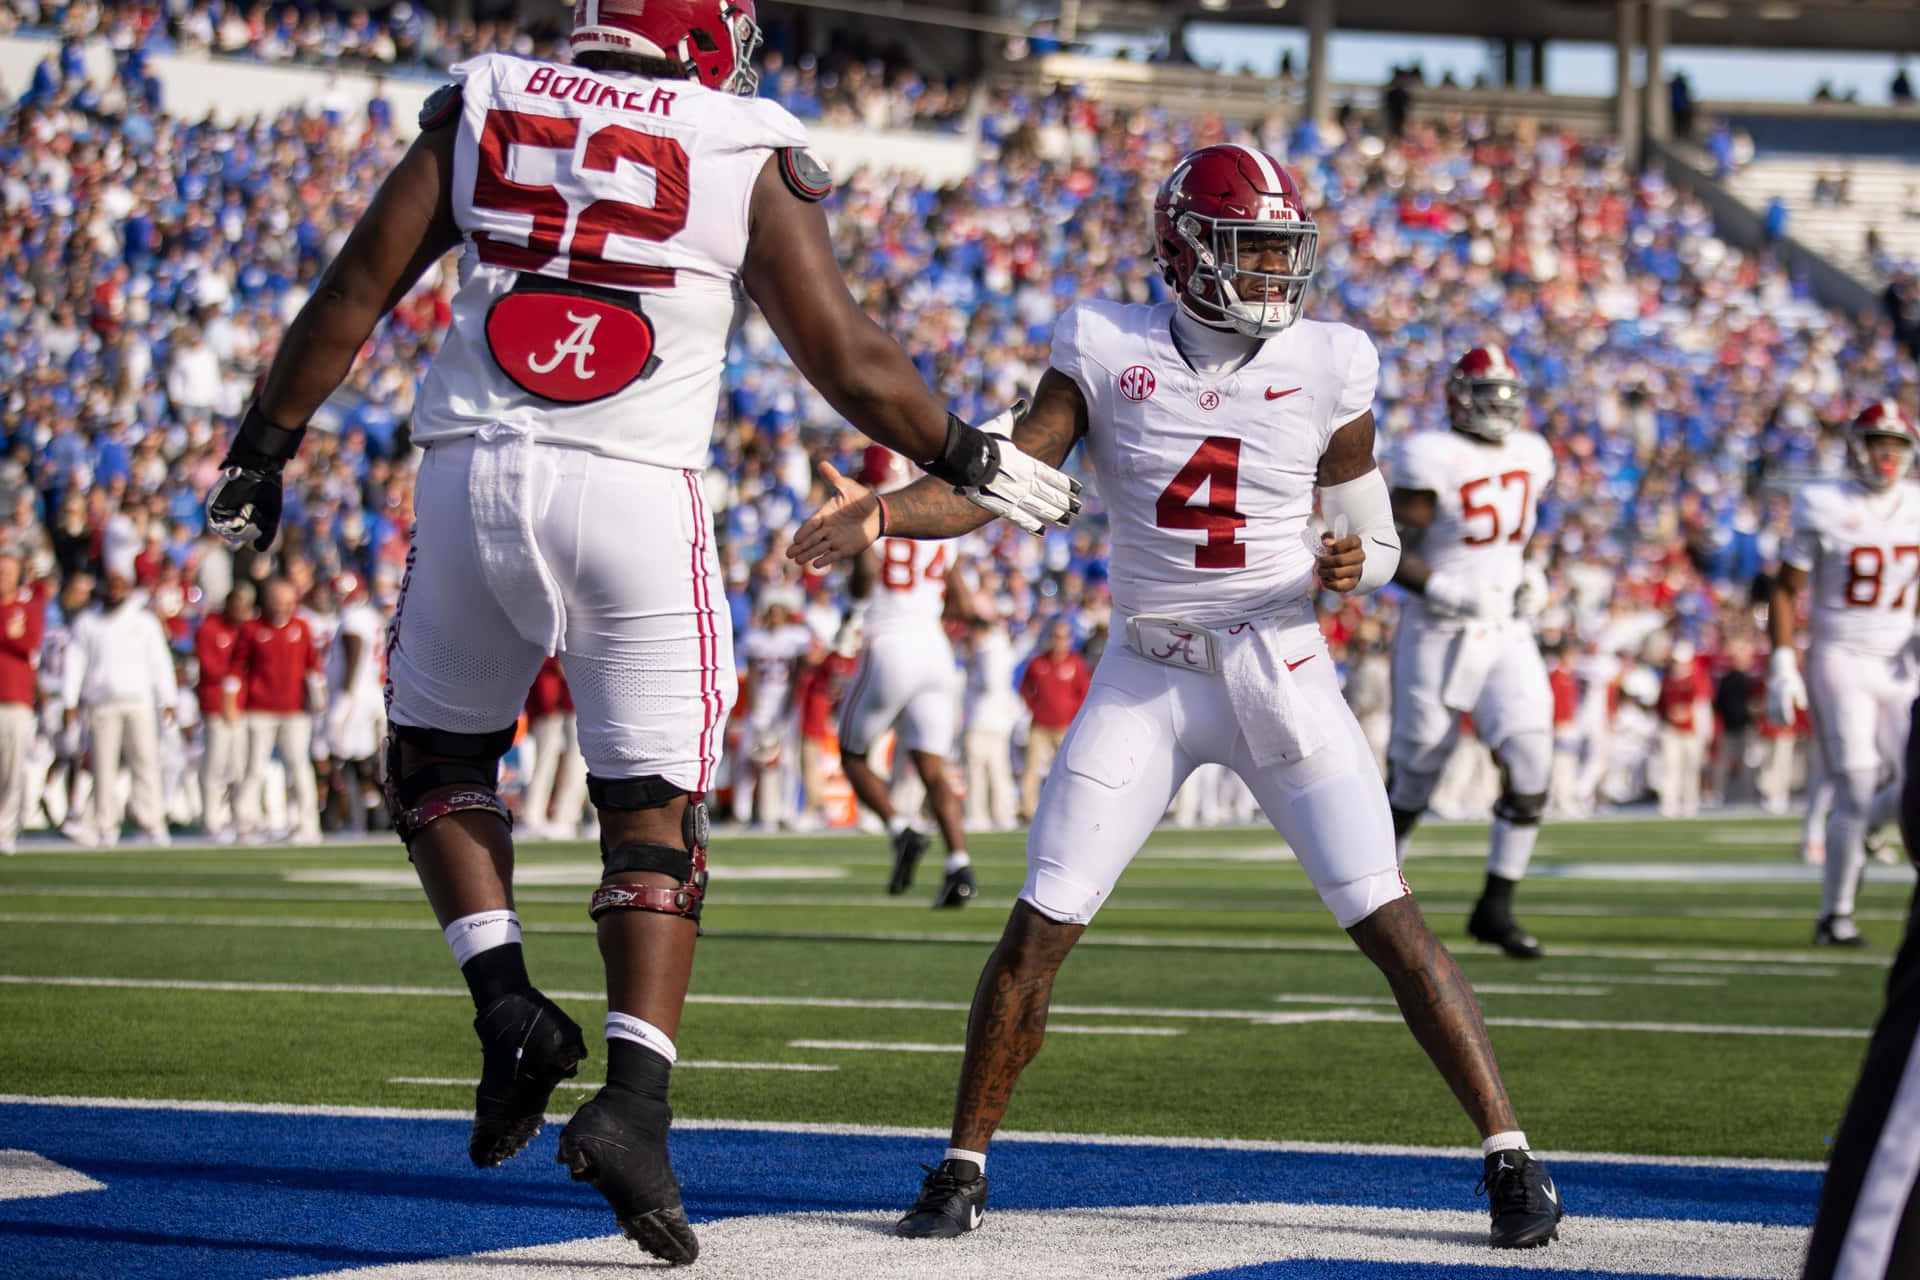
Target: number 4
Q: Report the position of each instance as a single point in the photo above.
(1216, 464)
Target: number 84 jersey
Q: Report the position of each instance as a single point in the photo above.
(1486, 501)
(1861, 552)
(604, 219)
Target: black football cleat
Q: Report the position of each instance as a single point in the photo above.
(908, 845)
(618, 1143)
(959, 889)
(953, 1201)
(1496, 925)
(527, 1047)
(1524, 1202)
(1838, 931)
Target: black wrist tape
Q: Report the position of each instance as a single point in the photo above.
(969, 459)
(261, 445)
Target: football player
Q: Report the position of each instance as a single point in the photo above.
(1465, 501)
(774, 652)
(1855, 544)
(608, 212)
(907, 681)
(1211, 423)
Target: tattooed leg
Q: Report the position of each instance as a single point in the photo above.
(1440, 1009)
(1009, 1020)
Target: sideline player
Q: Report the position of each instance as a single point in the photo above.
(608, 213)
(1465, 501)
(1856, 544)
(907, 680)
(1231, 396)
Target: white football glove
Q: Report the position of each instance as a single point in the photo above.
(1022, 488)
(1455, 597)
(1786, 691)
(1531, 599)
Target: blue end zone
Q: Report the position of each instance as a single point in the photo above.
(237, 1196)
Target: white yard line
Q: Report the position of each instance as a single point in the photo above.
(217, 1107)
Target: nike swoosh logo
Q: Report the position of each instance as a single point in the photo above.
(1388, 545)
(976, 1217)
(1276, 395)
(1552, 1195)
(1303, 662)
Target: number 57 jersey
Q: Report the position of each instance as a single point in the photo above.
(604, 218)
(1486, 502)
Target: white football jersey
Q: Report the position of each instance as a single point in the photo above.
(1486, 500)
(1861, 551)
(1209, 480)
(605, 223)
(909, 585)
(772, 655)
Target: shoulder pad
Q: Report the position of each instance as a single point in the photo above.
(441, 108)
(805, 176)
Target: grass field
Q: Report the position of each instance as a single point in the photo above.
(1682, 1011)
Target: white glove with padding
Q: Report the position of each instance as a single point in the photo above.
(1786, 691)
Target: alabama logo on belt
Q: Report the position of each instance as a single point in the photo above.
(568, 342)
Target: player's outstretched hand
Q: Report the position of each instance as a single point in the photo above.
(847, 524)
(1338, 555)
(1022, 488)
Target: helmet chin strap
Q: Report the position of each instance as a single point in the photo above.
(1211, 348)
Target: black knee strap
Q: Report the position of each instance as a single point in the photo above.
(687, 866)
(640, 855)
(1521, 809)
(468, 779)
(629, 795)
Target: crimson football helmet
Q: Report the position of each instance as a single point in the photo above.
(712, 40)
(883, 470)
(1884, 419)
(1232, 237)
(1485, 396)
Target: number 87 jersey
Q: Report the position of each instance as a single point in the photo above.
(604, 224)
(1861, 552)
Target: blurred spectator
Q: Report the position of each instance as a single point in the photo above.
(1053, 686)
(118, 679)
(22, 629)
(1686, 726)
(992, 711)
(223, 735)
(552, 805)
(278, 663)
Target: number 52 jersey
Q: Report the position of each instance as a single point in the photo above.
(604, 219)
(1861, 552)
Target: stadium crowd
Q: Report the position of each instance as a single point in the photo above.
(148, 266)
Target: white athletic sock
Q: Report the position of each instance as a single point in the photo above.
(958, 859)
(1510, 849)
(897, 823)
(481, 931)
(1511, 1140)
(623, 1026)
(961, 1153)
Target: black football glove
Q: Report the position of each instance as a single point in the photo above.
(244, 504)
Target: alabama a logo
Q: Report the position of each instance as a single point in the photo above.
(571, 348)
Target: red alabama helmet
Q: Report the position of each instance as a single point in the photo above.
(1221, 210)
(1887, 420)
(883, 469)
(1485, 396)
(713, 40)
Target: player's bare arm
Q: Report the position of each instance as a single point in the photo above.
(1786, 687)
(790, 271)
(1413, 511)
(1358, 548)
(851, 519)
(866, 567)
(1782, 616)
(406, 229)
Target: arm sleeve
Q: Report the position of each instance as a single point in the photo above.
(1369, 515)
(1362, 381)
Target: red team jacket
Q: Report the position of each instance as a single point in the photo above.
(272, 663)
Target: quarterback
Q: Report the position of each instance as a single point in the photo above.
(607, 214)
(1211, 424)
(1855, 544)
(1465, 501)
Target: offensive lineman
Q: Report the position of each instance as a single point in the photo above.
(907, 680)
(1223, 662)
(607, 214)
(1856, 544)
(1465, 502)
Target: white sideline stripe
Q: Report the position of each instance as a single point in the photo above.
(1172, 942)
(1759, 970)
(1336, 1014)
(454, 1082)
(1641, 979)
(28, 1175)
(213, 1107)
(922, 1046)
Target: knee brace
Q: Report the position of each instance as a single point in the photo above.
(1522, 809)
(632, 795)
(687, 865)
(464, 775)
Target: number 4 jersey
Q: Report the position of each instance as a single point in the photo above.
(1486, 500)
(605, 223)
(1861, 551)
(1209, 480)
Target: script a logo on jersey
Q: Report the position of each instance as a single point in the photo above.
(1137, 382)
(569, 348)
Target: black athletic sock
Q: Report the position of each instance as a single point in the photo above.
(637, 1069)
(496, 972)
(1498, 895)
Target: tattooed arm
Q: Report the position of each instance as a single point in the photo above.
(850, 520)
